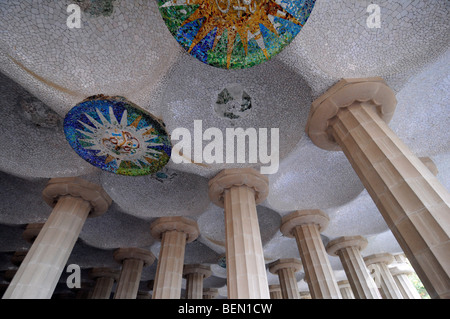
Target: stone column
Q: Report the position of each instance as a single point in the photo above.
(104, 281)
(305, 226)
(286, 269)
(405, 285)
(352, 116)
(348, 249)
(133, 261)
(305, 295)
(378, 264)
(30, 233)
(400, 269)
(210, 293)
(239, 191)
(194, 275)
(275, 292)
(174, 233)
(346, 290)
(73, 199)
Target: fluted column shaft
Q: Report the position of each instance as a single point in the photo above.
(377, 263)
(194, 275)
(174, 233)
(407, 194)
(239, 191)
(405, 285)
(104, 282)
(362, 283)
(133, 260)
(285, 269)
(41, 269)
(130, 276)
(103, 287)
(275, 292)
(194, 286)
(359, 277)
(388, 284)
(288, 284)
(305, 226)
(246, 273)
(321, 281)
(346, 290)
(73, 200)
(170, 266)
(348, 249)
(414, 204)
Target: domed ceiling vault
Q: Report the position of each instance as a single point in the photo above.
(124, 48)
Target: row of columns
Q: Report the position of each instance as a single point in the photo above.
(393, 282)
(128, 279)
(174, 233)
(305, 226)
(351, 117)
(133, 260)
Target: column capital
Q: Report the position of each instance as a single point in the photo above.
(384, 258)
(228, 178)
(197, 269)
(32, 231)
(275, 287)
(343, 283)
(77, 187)
(134, 253)
(283, 263)
(178, 223)
(346, 241)
(99, 272)
(401, 271)
(303, 217)
(343, 94)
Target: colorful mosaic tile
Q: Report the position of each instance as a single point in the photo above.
(235, 34)
(117, 136)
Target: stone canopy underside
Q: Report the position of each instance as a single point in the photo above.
(125, 48)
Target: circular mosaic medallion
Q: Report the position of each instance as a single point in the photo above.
(117, 136)
(235, 34)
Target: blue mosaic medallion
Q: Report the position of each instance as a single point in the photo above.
(235, 34)
(117, 136)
